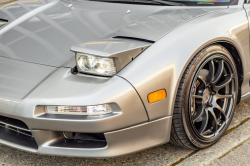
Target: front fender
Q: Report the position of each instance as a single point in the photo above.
(162, 65)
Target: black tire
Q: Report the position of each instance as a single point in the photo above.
(198, 121)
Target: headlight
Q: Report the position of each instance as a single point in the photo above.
(79, 110)
(95, 65)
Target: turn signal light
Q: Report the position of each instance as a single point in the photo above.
(157, 96)
(79, 110)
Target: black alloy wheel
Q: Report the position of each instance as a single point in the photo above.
(211, 84)
(212, 96)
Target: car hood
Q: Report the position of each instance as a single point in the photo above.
(43, 32)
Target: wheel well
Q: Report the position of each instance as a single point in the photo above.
(236, 56)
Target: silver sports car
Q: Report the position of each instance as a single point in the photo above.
(104, 78)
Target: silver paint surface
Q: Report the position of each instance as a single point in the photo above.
(50, 28)
(155, 26)
(174, 54)
(108, 47)
(44, 31)
(68, 89)
(35, 61)
(17, 79)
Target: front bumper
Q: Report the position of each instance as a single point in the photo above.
(126, 130)
(119, 142)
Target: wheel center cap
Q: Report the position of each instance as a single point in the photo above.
(205, 96)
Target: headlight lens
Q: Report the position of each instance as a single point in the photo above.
(95, 65)
(79, 110)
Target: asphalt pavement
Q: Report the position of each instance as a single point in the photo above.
(238, 156)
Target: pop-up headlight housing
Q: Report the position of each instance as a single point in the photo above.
(106, 57)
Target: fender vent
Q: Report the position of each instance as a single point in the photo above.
(3, 22)
(133, 38)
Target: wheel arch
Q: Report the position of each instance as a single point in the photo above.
(238, 62)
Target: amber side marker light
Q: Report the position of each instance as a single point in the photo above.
(157, 96)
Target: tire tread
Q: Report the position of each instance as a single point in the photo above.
(178, 135)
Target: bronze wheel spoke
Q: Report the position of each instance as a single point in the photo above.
(219, 71)
(207, 132)
(197, 96)
(214, 121)
(210, 76)
(199, 113)
(225, 82)
(221, 110)
(204, 122)
(224, 96)
(202, 80)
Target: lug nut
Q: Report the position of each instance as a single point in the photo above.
(208, 104)
(213, 93)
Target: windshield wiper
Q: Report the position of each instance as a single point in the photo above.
(169, 3)
(162, 2)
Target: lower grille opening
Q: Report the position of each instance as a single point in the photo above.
(13, 122)
(81, 140)
(17, 132)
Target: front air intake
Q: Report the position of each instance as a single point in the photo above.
(16, 132)
(81, 140)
